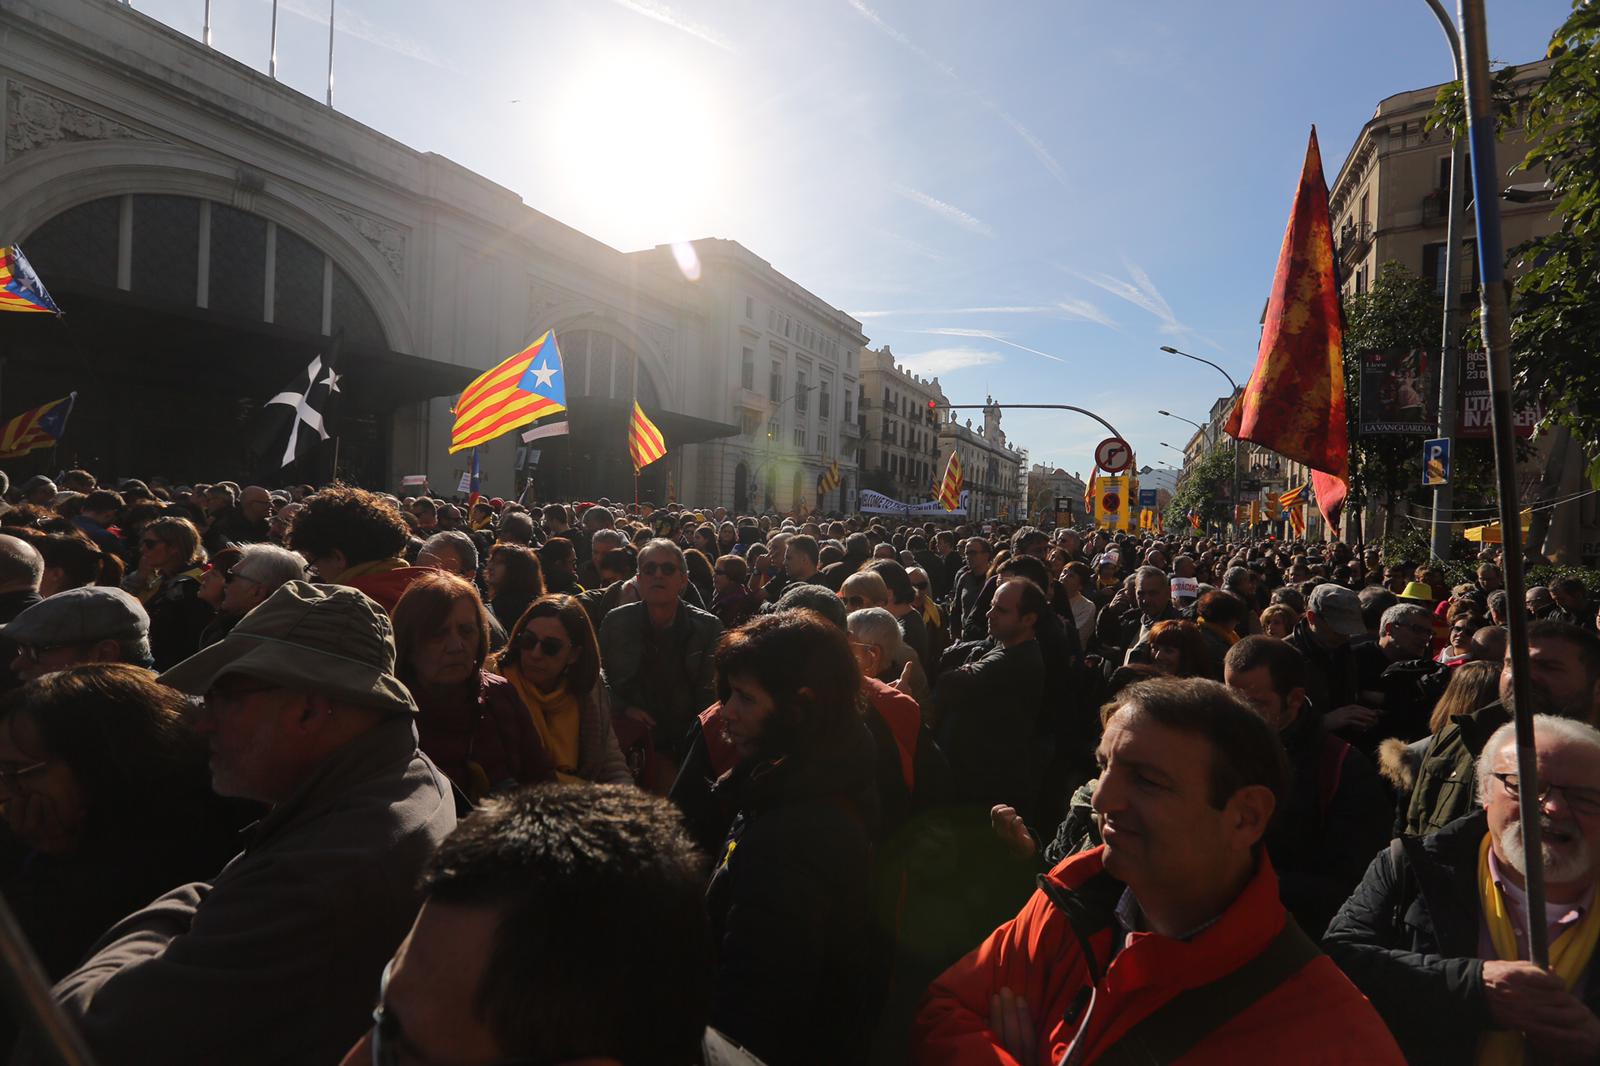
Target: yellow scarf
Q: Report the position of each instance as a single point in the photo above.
(376, 566)
(1569, 956)
(556, 716)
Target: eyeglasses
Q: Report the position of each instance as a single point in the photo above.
(389, 1044)
(226, 692)
(9, 776)
(652, 569)
(550, 646)
(1581, 800)
(855, 601)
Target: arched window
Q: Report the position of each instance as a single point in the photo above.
(599, 364)
(186, 252)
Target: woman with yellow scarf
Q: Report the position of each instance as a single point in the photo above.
(552, 659)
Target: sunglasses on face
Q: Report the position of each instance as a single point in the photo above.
(652, 569)
(550, 647)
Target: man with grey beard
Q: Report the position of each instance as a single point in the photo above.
(1563, 680)
(1435, 935)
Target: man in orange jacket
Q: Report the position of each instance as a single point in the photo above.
(1167, 943)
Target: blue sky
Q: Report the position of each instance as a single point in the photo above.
(1026, 197)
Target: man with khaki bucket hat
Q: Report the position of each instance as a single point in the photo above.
(277, 959)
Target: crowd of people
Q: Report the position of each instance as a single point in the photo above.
(326, 775)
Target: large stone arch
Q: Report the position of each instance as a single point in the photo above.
(44, 183)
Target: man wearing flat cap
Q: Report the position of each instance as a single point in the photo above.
(93, 624)
(278, 958)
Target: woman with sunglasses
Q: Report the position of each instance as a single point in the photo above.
(553, 662)
(172, 562)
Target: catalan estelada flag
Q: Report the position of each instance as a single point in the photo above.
(39, 428)
(1088, 493)
(1295, 402)
(645, 443)
(949, 496)
(20, 287)
(1297, 519)
(528, 386)
(830, 478)
(1293, 498)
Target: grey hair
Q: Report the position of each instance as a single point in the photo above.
(1544, 726)
(456, 541)
(1151, 572)
(136, 650)
(20, 563)
(1497, 602)
(609, 535)
(876, 626)
(1236, 573)
(269, 565)
(662, 544)
(1402, 611)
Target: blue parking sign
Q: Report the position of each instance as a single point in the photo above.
(1435, 462)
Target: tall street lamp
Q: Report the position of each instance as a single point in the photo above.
(1234, 391)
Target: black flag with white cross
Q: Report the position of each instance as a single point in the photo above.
(297, 419)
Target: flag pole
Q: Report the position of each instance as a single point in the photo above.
(330, 52)
(1497, 337)
(272, 60)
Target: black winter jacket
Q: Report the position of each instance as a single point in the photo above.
(799, 977)
(1421, 969)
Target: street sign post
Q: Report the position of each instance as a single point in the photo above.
(1436, 462)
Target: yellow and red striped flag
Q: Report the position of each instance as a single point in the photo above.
(829, 479)
(1293, 497)
(1297, 519)
(38, 428)
(1294, 402)
(522, 389)
(950, 488)
(645, 443)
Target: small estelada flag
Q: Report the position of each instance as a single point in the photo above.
(829, 479)
(645, 443)
(40, 427)
(950, 488)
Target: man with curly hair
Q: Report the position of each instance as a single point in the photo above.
(357, 538)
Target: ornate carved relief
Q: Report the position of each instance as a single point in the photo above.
(35, 119)
(387, 240)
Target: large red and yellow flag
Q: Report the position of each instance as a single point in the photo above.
(1088, 493)
(509, 395)
(1294, 402)
(645, 442)
(949, 496)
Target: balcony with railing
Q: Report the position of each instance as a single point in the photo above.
(1354, 240)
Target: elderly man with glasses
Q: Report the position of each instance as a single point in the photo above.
(1435, 935)
(275, 959)
(656, 655)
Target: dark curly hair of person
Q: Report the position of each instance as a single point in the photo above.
(362, 525)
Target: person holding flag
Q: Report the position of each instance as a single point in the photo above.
(522, 389)
(949, 496)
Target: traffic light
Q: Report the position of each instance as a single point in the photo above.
(933, 405)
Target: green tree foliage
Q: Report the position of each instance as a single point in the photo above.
(1556, 318)
(1205, 490)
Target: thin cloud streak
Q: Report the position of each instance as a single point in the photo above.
(947, 360)
(1035, 145)
(1142, 293)
(1086, 311)
(663, 14)
(1045, 310)
(948, 211)
(951, 331)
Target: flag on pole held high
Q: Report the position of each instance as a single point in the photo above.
(40, 427)
(1294, 402)
(522, 389)
(1088, 493)
(475, 483)
(296, 420)
(949, 496)
(645, 443)
(20, 287)
(830, 478)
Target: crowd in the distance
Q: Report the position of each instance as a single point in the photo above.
(322, 776)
